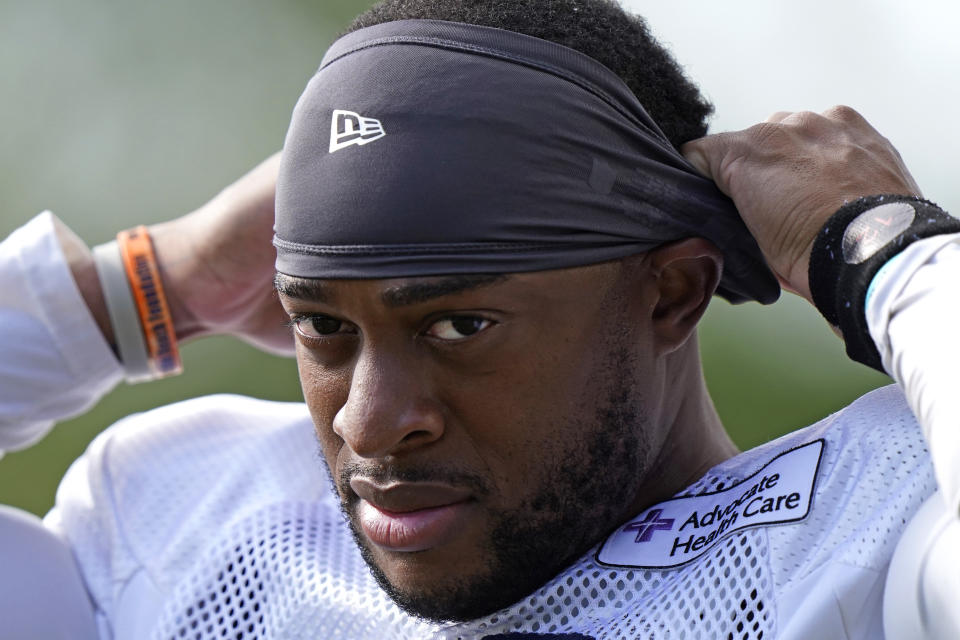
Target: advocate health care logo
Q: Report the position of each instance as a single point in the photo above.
(679, 530)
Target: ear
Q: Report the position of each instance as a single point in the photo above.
(686, 274)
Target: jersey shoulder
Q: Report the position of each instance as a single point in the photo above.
(203, 436)
(178, 454)
(875, 473)
(154, 488)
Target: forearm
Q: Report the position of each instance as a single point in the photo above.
(58, 351)
(215, 265)
(54, 359)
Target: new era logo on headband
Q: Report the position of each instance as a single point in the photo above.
(349, 128)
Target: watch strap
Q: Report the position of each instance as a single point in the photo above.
(852, 247)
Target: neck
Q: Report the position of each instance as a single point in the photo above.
(693, 439)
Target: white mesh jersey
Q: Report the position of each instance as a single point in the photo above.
(214, 518)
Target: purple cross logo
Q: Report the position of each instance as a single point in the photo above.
(648, 525)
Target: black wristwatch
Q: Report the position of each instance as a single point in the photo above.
(851, 248)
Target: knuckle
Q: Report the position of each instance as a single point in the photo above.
(804, 119)
(763, 130)
(786, 127)
(766, 135)
(842, 113)
(778, 116)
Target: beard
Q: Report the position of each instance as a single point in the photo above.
(585, 485)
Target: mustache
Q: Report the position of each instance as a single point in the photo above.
(383, 474)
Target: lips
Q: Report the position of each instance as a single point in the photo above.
(411, 516)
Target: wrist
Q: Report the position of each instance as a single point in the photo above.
(177, 271)
(853, 246)
(80, 261)
(136, 302)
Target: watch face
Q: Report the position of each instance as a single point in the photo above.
(874, 228)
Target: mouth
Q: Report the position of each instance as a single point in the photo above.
(411, 516)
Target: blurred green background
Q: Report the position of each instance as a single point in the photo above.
(118, 113)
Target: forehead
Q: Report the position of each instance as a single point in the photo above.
(528, 289)
(392, 292)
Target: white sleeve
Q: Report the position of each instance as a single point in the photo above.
(913, 310)
(54, 361)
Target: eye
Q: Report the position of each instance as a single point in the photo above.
(458, 327)
(319, 326)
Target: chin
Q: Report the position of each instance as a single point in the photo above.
(450, 585)
(453, 597)
(457, 584)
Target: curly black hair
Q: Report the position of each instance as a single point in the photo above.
(601, 29)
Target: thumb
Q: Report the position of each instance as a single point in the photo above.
(706, 155)
(691, 151)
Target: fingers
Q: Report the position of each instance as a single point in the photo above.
(256, 188)
(714, 155)
(267, 170)
(836, 113)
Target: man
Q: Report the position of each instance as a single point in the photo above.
(504, 442)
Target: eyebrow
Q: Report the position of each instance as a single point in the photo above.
(418, 292)
(398, 296)
(301, 288)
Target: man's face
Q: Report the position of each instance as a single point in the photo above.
(482, 432)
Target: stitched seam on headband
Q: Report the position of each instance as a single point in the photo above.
(414, 249)
(443, 43)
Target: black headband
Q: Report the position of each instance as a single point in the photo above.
(423, 147)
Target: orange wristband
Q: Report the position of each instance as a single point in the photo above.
(140, 263)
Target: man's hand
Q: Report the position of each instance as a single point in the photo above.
(788, 175)
(217, 265)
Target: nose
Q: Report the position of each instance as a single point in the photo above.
(389, 409)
